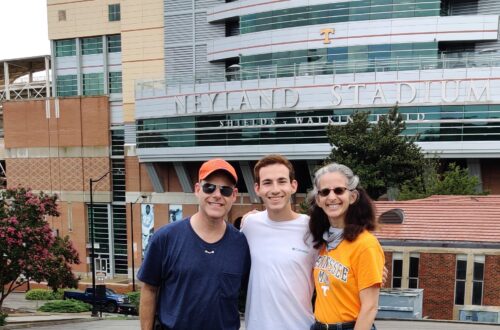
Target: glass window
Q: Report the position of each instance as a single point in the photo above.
(397, 269)
(115, 82)
(414, 262)
(114, 12)
(460, 276)
(93, 84)
(114, 43)
(66, 47)
(477, 280)
(67, 85)
(91, 45)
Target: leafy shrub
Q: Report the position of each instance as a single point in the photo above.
(44, 294)
(134, 298)
(3, 316)
(65, 306)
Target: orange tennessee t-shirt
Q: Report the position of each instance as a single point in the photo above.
(339, 276)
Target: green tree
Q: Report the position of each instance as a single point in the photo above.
(377, 153)
(454, 181)
(28, 248)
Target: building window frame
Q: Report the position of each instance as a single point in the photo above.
(114, 12)
(460, 279)
(115, 82)
(478, 280)
(93, 84)
(413, 281)
(114, 43)
(91, 45)
(67, 85)
(65, 47)
(397, 270)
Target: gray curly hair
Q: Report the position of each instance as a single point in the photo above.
(352, 179)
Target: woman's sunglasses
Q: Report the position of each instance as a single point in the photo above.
(337, 191)
(209, 188)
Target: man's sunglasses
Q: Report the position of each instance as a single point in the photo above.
(209, 188)
(337, 191)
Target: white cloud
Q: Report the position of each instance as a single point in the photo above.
(24, 28)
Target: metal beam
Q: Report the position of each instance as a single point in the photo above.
(155, 179)
(183, 176)
(249, 181)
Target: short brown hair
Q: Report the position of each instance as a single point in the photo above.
(271, 160)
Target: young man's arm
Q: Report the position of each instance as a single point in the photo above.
(147, 305)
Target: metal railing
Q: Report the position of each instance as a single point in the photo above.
(446, 61)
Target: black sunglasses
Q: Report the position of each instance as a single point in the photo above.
(337, 191)
(209, 188)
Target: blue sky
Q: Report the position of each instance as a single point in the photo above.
(23, 26)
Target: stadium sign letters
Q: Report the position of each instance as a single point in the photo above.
(336, 95)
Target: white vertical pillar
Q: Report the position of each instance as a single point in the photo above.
(7, 80)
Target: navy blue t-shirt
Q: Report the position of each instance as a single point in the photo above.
(199, 281)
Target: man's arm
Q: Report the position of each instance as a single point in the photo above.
(147, 305)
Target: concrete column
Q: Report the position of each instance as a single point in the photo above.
(7, 79)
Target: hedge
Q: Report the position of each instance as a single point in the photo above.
(65, 306)
(44, 294)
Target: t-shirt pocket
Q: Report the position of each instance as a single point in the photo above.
(230, 285)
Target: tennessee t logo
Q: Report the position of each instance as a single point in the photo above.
(324, 288)
(326, 34)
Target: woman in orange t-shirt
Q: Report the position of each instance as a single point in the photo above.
(349, 268)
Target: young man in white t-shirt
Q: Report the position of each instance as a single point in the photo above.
(281, 285)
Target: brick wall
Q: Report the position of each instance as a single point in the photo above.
(437, 278)
(388, 264)
(491, 281)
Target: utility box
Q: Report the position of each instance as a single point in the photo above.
(400, 304)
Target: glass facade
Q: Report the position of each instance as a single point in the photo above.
(115, 82)
(66, 47)
(338, 12)
(91, 46)
(365, 58)
(298, 127)
(114, 43)
(67, 85)
(93, 84)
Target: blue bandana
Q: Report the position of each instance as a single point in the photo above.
(333, 237)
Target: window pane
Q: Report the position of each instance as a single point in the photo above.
(114, 12)
(397, 268)
(65, 47)
(396, 282)
(477, 293)
(413, 283)
(478, 271)
(93, 84)
(459, 292)
(92, 46)
(414, 266)
(67, 85)
(114, 43)
(115, 82)
(461, 269)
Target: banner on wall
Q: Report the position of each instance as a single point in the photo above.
(174, 213)
(148, 225)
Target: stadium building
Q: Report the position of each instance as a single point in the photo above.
(141, 92)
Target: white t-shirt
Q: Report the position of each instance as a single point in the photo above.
(281, 284)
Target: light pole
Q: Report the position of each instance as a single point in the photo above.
(132, 238)
(92, 249)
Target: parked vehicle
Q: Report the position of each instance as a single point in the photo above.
(113, 302)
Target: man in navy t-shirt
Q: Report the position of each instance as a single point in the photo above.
(198, 265)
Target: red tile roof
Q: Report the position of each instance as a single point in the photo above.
(474, 219)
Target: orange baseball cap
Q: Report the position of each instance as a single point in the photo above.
(216, 164)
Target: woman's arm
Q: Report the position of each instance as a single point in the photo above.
(369, 307)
